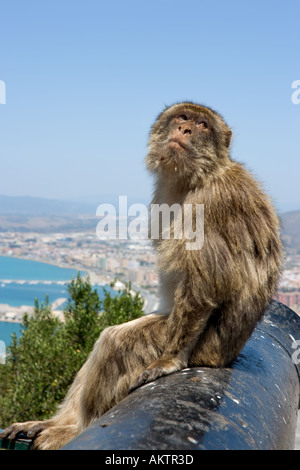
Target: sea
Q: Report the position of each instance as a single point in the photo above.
(21, 281)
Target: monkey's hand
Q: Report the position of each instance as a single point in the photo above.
(45, 435)
(30, 429)
(166, 365)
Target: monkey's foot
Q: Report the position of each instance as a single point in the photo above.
(55, 437)
(163, 366)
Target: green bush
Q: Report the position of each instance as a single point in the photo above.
(42, 363)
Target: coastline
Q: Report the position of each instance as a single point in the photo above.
(95, 278)
(14, 314)
(11, 314)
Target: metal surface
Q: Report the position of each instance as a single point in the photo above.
(21, 443)
(251, 405)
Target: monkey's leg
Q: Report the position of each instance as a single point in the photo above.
(226, 335)
(184, 325)
(119, 356)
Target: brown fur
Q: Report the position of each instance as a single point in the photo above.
(212, 297)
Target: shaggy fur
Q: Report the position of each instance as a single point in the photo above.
(212, 297)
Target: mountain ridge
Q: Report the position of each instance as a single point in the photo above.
(37, 206)
(34, 214)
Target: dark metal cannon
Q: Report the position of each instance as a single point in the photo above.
(251, 405)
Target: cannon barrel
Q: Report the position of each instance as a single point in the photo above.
(251, 405)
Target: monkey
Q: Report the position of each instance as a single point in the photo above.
(211, 298)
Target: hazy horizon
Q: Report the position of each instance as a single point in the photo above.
(85, 80)
(93, 201)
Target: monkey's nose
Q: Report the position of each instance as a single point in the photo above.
(185, 130)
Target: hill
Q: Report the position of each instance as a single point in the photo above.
(291, 229)
(37, 206)
(32, 214)
(35, 214)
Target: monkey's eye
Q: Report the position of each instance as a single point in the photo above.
(203, 125)
(183, 117)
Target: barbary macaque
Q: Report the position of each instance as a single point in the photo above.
(211, 297)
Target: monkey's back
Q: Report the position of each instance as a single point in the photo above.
(241, 257)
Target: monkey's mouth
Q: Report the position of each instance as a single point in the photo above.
(177, 144)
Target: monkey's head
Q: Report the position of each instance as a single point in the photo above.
(188, 141)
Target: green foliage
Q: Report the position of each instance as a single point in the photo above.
(82, 325)
(33, 363)
(42, 363)
(121, 308)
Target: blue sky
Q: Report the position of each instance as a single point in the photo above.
(85, 80)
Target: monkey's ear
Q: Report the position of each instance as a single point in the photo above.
(228, 138)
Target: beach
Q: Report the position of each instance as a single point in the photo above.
(21, 281)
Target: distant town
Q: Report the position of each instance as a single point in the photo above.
(123, 260)
(289, 286)
(104, 261)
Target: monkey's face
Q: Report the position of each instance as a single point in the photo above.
(189, 141)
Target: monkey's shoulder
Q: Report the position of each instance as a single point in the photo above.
(235, 188)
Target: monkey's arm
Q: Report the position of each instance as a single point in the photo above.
(205, 282)
(184, 325)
